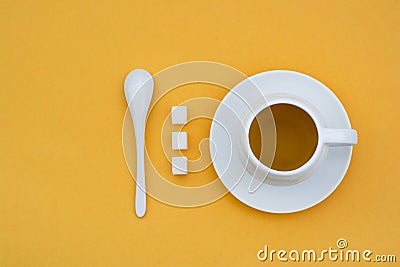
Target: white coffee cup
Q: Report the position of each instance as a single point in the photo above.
(327, 137)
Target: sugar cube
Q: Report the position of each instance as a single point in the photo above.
(179, 114)
(179, 165)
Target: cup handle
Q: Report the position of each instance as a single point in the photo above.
(339, 137)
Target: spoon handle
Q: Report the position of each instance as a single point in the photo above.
(140, 202)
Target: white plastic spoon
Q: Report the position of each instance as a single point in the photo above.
(138, 88)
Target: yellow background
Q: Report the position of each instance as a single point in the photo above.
(66, 196)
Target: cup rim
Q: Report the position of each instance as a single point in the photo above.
(306, 107)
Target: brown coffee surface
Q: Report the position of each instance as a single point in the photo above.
(296, 137)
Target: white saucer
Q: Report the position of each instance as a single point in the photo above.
(278, 199)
